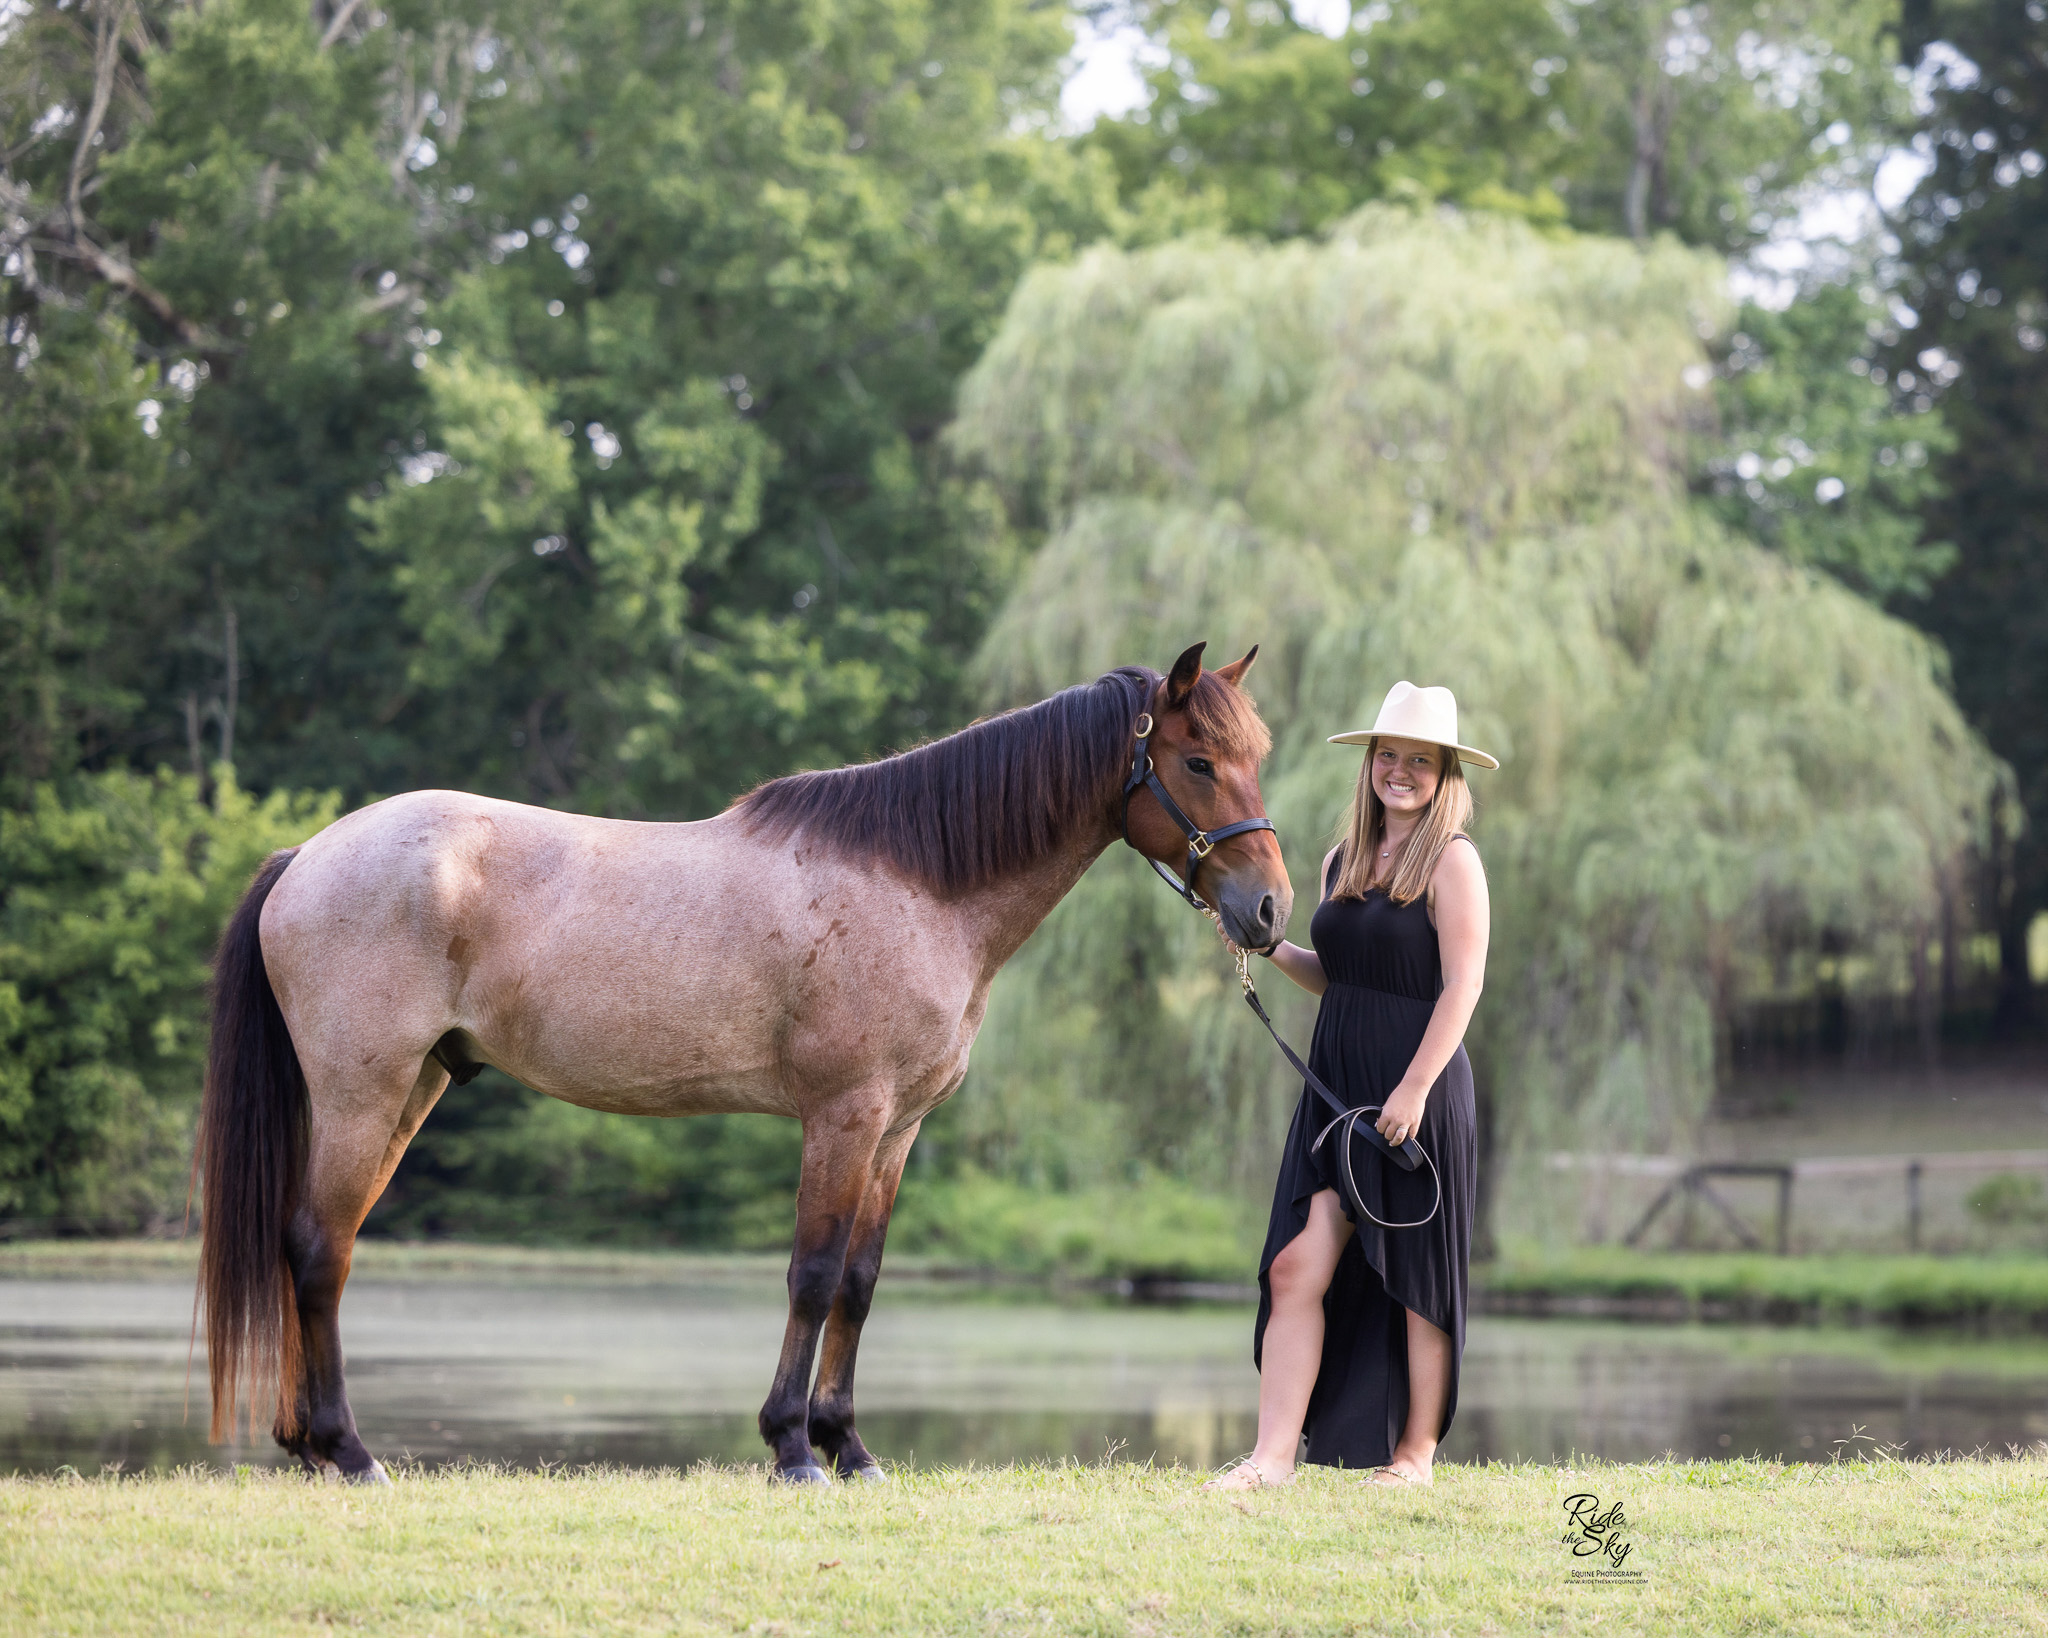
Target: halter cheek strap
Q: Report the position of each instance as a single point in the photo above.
(1200, 842)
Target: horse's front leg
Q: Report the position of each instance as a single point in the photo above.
(832, 1429)
(840, 1141)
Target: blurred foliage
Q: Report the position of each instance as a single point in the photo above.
(1974, 249)
(553, 388)
(1619, 116)
(498, 1162)
(1819, 458)
(1721, 124)
(1717, 763)
(501, 1162)
(1147, 1225)
(1995, 1293)
(676, 524)
(93, 564)
(1715, 123)
(2008, 1200)
(113, 889)
(1259, 124)
(236, 187)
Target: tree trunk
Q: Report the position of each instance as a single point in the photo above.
(1635, 204)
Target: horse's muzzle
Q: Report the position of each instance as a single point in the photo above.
(1253, 913)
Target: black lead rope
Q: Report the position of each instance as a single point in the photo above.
(1407, 1156)
(1410, 1154)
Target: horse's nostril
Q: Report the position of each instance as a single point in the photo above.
(1266, 911)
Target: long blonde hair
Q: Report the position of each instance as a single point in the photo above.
(1448, 813)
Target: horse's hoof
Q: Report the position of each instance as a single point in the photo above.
(870, 1474)
(809, 1473)
(373, 1474)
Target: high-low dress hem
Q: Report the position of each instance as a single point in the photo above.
(1385, 974)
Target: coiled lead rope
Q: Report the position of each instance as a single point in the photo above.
(1347, 1118)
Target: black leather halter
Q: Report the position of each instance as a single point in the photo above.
(1200, 841)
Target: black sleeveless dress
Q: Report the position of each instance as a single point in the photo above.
(1384, 973)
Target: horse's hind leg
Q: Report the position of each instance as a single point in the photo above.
(832, 1429)
(357, 1144)
(839, 1158)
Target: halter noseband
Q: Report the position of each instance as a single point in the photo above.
(1200, 841)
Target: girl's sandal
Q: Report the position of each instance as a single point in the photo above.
(1245, 1474)
(1390, 1477)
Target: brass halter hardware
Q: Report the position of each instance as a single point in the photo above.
(1201, 843)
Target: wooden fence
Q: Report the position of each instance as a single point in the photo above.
(1689, 1191)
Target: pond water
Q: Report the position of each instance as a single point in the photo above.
(92, 1373)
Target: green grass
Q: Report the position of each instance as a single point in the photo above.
(1951, 1291)
(1722, 1547)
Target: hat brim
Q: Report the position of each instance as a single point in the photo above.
(1365, 736)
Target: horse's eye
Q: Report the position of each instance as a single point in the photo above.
(1200, 765)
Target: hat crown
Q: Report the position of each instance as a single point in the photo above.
(1409, 712)
(1428, 714)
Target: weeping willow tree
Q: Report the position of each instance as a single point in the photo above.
(1454, 450)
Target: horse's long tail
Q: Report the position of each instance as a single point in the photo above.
(252, 1161)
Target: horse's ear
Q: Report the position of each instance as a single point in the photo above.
(1181, 680)
(1233, 673)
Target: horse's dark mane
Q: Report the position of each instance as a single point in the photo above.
(977, 805)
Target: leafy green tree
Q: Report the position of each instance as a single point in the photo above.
(230, 179)
(175, 183)
(1818, 457)
(1975, 248)
(1714, 121)
(1453, 450)
(113, 889)
(1625, 116)
(548, 401)
(1265, 126)
(797, 225)
(733, 272)
(92, 553)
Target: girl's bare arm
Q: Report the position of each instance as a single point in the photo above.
(1304, 966)
(1462, 924)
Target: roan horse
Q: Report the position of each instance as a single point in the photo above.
(823, 949)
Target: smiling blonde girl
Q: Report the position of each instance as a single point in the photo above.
(1361, 1327)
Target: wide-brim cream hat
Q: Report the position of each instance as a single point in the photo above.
(1427, 714)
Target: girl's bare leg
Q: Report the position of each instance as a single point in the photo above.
(1293, 1351)
(1429, 1385)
